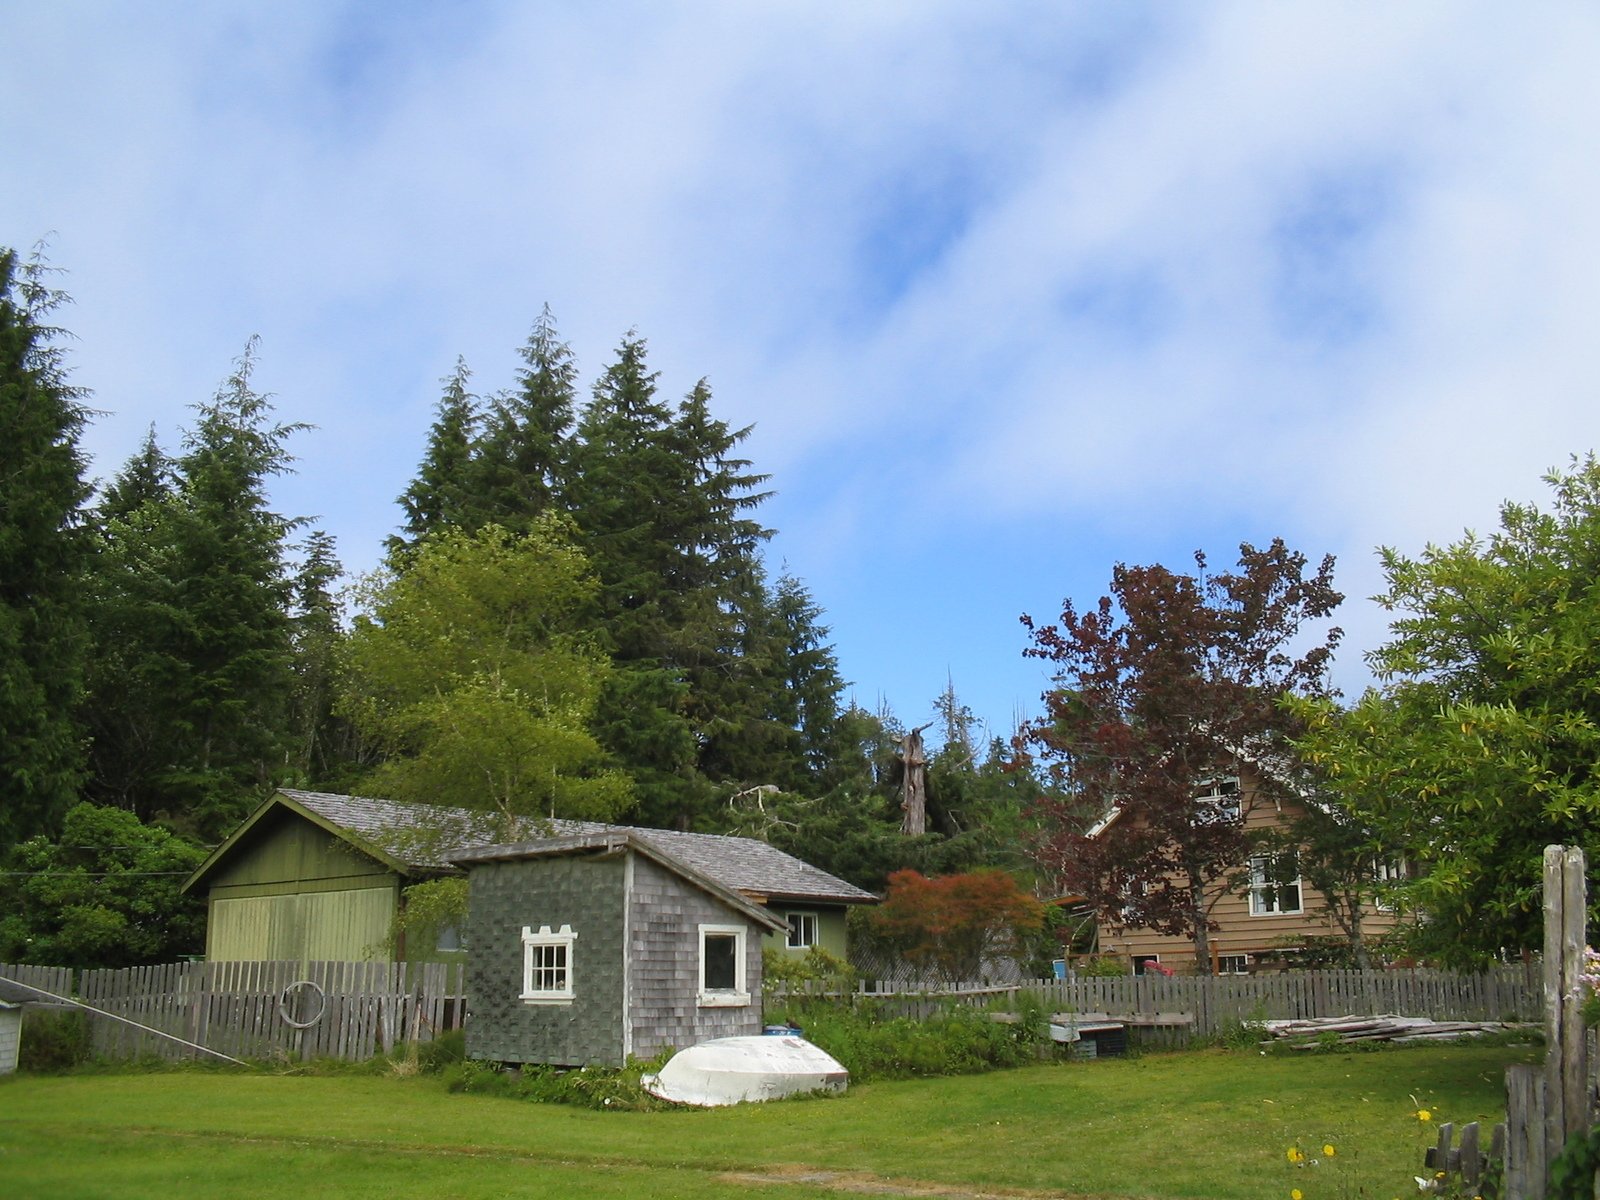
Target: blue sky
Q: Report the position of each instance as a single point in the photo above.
(1010, 293)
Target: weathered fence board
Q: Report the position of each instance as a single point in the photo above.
(1219, 1002)
(240, 1008)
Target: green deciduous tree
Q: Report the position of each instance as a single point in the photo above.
(42, 560)
(1480, 747)
(473, 671)
(1168, 684)
(106, 893)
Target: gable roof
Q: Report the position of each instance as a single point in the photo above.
(609, 840)
(420, 838)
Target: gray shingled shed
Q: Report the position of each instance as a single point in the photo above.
(11, 1001)
(608, 942)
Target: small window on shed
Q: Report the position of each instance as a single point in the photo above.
(802, 930)
(722, 966)
(547, 965)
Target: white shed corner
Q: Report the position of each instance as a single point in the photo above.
(10, 1035)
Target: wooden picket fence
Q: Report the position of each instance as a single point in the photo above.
(344, 1010)
(1214, 1004)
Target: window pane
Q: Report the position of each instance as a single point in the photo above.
(721, 973)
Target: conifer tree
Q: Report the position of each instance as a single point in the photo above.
(441, 496)
(192, 662)
(42, 550)
(520, 470)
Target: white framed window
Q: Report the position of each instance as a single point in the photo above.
(1388, 872)
(802, 930)
(547, 965)
(1217, 800)
(722, 966)
(1233, 964)
(1274, 885)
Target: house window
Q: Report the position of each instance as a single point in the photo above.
(1217, 800)
(722, 966)
(1388, 872)
(1233, 964)
(802, 930)
(1274, 885)
(547, 965)
(1147, 964)
(448, 939)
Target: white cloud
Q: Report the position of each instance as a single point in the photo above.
(1145, 277)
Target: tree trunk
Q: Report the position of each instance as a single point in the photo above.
(914, 787)
(1202, 930)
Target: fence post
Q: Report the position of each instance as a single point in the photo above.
(1565, 935)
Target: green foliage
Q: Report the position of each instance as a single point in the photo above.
(472, 670)
(1572, 1174)
(604, 1088)
(42, 561)
(1480, 747)
(105, 895)
(427, 909)
(815, 971)
(191, 680)
(54, 1041)
(957, 1041)
(1102, 966)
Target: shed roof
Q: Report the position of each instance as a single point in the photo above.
(616, 838)
(414, 838)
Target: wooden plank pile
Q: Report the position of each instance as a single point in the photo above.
(1387, 1027)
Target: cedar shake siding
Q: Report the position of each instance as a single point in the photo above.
(585, 894)
(664, 938)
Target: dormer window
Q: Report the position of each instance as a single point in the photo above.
(1217, 800)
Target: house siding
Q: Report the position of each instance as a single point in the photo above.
(831, 929)
(664, 955)
(583, 892)
(1238, 930)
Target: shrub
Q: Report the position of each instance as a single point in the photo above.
(956, 1041)
(54, 1041)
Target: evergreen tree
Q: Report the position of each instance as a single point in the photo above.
(628, 483)
(148, 476)
(440, 496)
(193, 671)
(522, 458)
(320, 755)
(42, 551)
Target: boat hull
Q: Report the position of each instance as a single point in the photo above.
(738, 1069)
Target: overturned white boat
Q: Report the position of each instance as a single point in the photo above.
(733, 1069)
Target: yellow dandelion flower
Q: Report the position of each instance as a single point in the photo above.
(1424, 1115)
(1328, 1151)
(1296, 1194)
(1296, 1154)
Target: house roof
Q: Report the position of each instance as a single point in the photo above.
(413, 838)
(745, 865)
(610, 840)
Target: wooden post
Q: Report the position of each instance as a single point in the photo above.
(914, 787)
(1566, 903)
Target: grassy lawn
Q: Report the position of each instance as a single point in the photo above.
(1211, 1125)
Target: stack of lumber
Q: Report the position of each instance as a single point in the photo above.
(1387, 1027)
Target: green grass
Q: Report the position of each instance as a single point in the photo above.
(1210, 1125)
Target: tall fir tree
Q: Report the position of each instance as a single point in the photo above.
(628, 481)
(522, 459)
(192, 617)
(442, 493)
(321, 740)
(42, 557)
